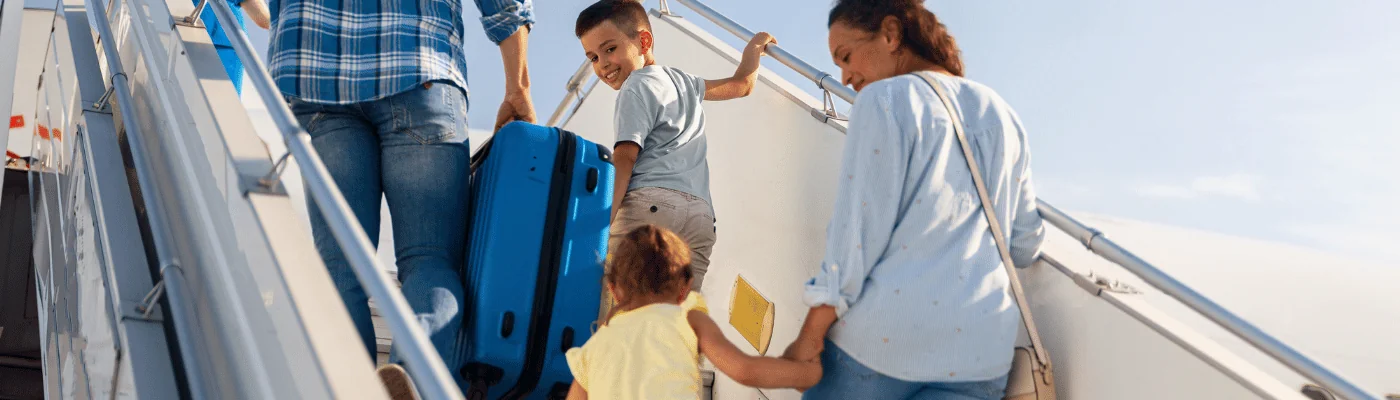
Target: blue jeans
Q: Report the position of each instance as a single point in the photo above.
(845, 378)
(411, 148)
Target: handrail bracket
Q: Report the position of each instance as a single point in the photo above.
(192, 20)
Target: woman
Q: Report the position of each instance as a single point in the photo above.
(912, 300)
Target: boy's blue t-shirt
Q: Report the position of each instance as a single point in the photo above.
(659, 109)
(227, 56)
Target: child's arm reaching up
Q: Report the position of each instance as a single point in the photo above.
(741, 83)
(751, 371)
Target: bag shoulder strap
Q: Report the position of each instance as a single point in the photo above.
(990, 212)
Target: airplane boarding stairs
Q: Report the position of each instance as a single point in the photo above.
(162, 255)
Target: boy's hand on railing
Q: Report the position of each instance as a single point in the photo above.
(753, 51)
(759, 44)
(741, 84)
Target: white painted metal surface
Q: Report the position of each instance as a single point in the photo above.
(267, 321)
(24, 32)
(1331, 308)
(263, 319)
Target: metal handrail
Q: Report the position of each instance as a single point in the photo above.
(571, 91)
(823, 79)
(1096, 243)
(430, 373)
(173, 278)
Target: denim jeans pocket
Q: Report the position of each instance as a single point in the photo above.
(307, 114)
(429, 112)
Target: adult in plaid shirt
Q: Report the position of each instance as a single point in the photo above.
(381, 87)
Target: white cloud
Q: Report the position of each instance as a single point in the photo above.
(1239, 186)
(1167, 191)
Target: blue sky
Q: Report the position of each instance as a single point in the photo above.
(1276, 120)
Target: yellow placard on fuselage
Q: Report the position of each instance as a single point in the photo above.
(751, 314)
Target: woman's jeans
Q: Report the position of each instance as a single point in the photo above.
(412, 149)
(845, 378)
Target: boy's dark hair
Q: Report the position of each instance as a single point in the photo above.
(650, 260)
(628, 15)
(922, 33)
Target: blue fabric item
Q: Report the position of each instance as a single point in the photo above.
(351, 51)
(232, 65)
(410, 148)
(910, 266)
(845, 378)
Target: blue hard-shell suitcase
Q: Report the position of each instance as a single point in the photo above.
(540, 205)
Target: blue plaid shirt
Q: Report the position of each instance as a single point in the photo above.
(353, 51)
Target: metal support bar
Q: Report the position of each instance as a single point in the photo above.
(101, 103)
(1251, 334)
(426, 366)
(178, 311)
(193, 18)
(1093, 284)
(829, 106)
(273, 177)
(149, 302)
(1204, 349)
(824, 80)
(571, 92)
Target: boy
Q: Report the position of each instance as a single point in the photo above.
(662, 175)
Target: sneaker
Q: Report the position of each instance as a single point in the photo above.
(396, 380)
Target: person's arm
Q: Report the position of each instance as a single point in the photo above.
(624, 157)
(507, 23)
(576, 392)
(752, 371)
(257, 11)
(577, 358)
(517, 105)
(638, 111)
(873, 170)
(1027, 228)
(810, 339)
(741, 84)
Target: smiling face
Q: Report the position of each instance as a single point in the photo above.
(614, 54)
(864, 57)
